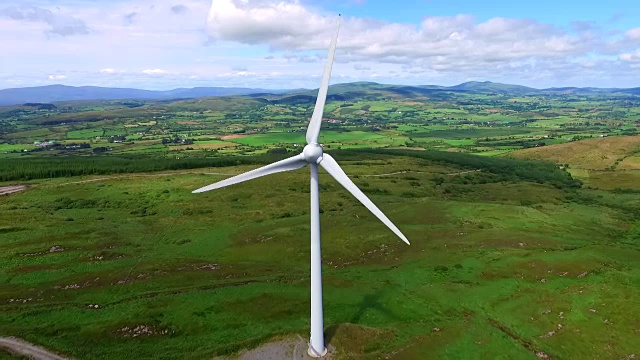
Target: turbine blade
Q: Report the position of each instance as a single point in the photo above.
(313, 131)
(332, 167)
(292, 163)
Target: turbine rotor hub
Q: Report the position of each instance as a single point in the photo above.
(312, 153)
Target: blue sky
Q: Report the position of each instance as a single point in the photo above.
(560, 12)
(163, 44)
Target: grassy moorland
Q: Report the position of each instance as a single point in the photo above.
(514, 261)
(604, 163)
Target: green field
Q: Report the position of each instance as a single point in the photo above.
(15, 147)
(85, 134)
(271, 139)
(367, 116)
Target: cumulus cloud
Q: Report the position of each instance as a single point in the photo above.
(59, 24)
(57, 77)
(260, 22)
(283, 43)
(435, 41)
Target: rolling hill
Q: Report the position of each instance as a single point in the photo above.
(338, 92)
(620, 152)
(491, 87)
(54, 93)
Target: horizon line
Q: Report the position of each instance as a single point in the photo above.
(303, 88)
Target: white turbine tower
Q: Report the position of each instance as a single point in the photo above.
(314, 156)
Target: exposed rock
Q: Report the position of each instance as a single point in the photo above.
(542, 355)
(56, 248)
(549, 334)
(142, 330)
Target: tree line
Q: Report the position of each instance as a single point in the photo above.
(52, 167)
(540, 172)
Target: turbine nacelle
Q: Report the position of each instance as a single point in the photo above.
(312, 153)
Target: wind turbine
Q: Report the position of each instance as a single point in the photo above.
(314, 156)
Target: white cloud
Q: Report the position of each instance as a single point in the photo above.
(435, 41)
(237, 74)
(254, 46)
(633, 34)
(58, 23)
(279, 23)
(154, 72)
(633, 59)
(57, 77)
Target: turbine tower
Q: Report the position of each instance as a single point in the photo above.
(314, 156)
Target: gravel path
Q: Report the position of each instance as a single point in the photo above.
(294, 349)
(21, 347)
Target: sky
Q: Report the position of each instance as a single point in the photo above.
(282, 44)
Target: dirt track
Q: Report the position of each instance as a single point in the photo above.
(6, 190)
(21, 347)
(143, 175)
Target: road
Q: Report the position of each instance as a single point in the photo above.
(21, 347)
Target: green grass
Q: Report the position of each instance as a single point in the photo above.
(226, 270)
(15, 147)
(471, 133)
(351, 136)
(270, 139)
(84, 134)
(503, 251)
(493, 152)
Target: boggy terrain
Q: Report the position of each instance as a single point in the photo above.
(508, 259)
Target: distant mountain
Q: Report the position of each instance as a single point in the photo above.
(491, 87)
(634, 91)
(338, 92)
(53, 93)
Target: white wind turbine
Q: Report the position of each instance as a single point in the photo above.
(314, 156)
